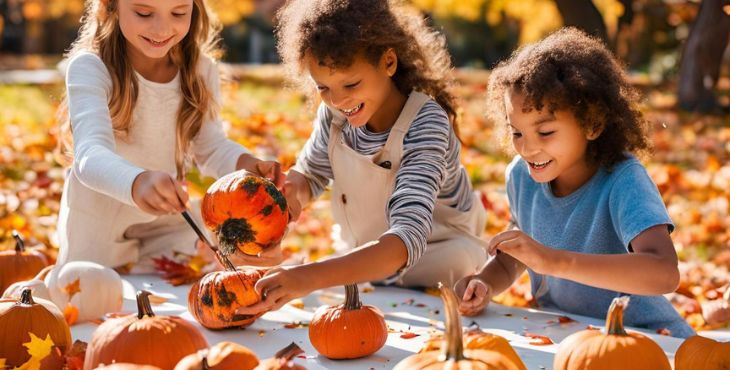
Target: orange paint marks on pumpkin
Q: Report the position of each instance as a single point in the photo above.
(71, 314)
(73, 288)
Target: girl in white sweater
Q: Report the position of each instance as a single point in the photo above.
(142, 96)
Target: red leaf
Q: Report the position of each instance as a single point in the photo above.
(409, 335)
(541, 339)
(176, 273)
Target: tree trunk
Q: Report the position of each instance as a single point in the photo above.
(702, 56)
(584, 15)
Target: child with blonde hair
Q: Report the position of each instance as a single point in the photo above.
(142, 89)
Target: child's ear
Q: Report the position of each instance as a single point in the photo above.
(389, 61)
(595, 132)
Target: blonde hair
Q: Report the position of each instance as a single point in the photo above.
(100, 34)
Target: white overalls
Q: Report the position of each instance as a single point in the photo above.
(360, 193)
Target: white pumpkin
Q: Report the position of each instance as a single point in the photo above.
(36, 285)
(91, 288)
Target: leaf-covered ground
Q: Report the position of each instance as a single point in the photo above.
(690, 166)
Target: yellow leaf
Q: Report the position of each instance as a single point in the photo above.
(39, 348)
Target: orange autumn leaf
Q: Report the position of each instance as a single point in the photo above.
(409, 335)
(71, 314)
(73, 288)
(541, 340)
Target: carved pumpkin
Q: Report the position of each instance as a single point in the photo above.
(19, 264)
(350, 330)
(593, 350)
(214, 299)
(452, 354)
(222, 356)
(143, 338)
(125, 366)
(478, 339)
(36, 285)
(21, 317)
(700, 353)
(247, 212)
(90, 288)
(283, 360)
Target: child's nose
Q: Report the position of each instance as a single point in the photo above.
(529, 148)
(160, 28)
(339, 100)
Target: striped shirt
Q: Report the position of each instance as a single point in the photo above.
(430, 169)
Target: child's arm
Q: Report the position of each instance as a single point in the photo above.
(650, 270)
(374, 261)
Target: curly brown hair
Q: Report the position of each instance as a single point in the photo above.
(336, 31)
(569, 70)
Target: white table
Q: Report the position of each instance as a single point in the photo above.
(405, 311)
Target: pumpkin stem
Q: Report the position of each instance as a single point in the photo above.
(144, 308)
(453, 350)
(352, 297)
(204, 362)
(287, 353)
(615, 316)
(19, 243)
(26, 297)
(233, 232)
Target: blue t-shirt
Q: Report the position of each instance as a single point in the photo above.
(602, 217)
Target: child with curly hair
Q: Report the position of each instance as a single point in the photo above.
(384, 138)
(142, 87)
(589, 222)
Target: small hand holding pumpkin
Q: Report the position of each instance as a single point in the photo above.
(522, 247)
(156, 192)
(474, 294)
(267, 169)
(279, 286)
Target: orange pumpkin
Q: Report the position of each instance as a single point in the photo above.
(283, 360)
(144, 339)
(700, 353)
(478, 339)
(19, 264)
(593, 350)
(452, 354)
(222, 356)
(21, 317)
(247, 212)
(214, 299)
(350, 330)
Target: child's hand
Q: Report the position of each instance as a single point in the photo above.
(474, 295)
(156, 192)
(292, 201)
(268, 169)
(523, 248)
(279, 286)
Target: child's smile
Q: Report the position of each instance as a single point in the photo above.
(351, 112)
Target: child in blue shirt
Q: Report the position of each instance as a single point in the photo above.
(590, 224)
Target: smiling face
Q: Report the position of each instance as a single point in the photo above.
(552, 143)
(153, 27)
(363, 92)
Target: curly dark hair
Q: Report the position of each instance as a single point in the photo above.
(570, 70)
(335, 31)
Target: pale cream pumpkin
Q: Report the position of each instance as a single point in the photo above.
(36, 285)
(92, 289)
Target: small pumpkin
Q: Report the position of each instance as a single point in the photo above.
(701, 353)
(21, 317)
(36, 285)
(616, 349)
(92, 289)
(478, 339)
(247, 212)
(452, 354)
(19, 264)
(350, 330)
(143, 338)
(214, 299)
(222, 356)
(283, 360)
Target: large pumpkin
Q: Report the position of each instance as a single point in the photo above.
(452, 354)
(593, 350)
(87, 287)
(19, 264)
(144, 339)
(222, 356)
(19, 318)
(478, 339)
(214, 299)
(247, 212)
(350, 330)
(700, 353)
(283, 360)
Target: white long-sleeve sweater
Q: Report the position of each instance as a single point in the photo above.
(108, 164)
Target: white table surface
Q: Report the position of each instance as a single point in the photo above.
(405, 311)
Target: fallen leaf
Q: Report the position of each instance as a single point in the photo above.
(541, 339)
(176, 273)
(409, 335)
(71, 314)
